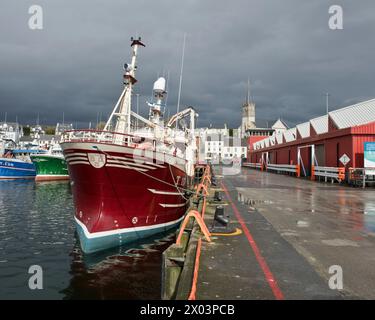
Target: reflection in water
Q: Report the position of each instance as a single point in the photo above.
(369, 218)
(128, 272)
(37, 227)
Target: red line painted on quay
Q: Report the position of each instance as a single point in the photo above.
(262, 262)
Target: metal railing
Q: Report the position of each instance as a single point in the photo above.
(283, 168)
(334, 173)
(253, 165)
(92, 135)
(120, 139)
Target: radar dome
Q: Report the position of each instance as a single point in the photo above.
(159, 85)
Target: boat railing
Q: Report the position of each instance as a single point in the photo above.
(116, 138)
(91, 135)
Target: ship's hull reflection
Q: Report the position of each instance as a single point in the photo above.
(129, 272)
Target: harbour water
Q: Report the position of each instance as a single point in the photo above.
(37, 228)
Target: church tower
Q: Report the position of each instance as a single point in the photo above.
(248, 112)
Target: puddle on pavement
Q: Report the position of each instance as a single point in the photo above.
(303, 224)
(369, 217)
(340, 243)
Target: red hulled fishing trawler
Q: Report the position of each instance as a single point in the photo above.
(131, 179)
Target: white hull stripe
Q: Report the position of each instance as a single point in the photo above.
(125, 230)
(167, 205)
(75, 154)
(13, 168)
(88, 146)
(16, 177)
(117, 160)
(136, 161)
(76, 158)
(128, 163)
(169, 193)
(78, 162)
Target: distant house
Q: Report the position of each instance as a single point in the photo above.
(47, 140)
(217, 145)
(10, 131)
(44, 141)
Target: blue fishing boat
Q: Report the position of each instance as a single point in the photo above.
(16, 164)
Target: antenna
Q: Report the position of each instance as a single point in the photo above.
(327, 102)
(182, 69)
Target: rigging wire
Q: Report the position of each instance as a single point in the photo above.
(175, 183)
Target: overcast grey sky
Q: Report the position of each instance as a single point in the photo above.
(74, 65)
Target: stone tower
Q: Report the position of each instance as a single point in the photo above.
(248, 112)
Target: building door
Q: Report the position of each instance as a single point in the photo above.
(305, 159)
(270, 158)
(320, 159)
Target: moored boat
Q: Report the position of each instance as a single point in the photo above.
(50, 166)
(16, 164)
(131, 181)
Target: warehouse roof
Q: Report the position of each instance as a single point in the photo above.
(354, 115)
(279, 124)
(320, 124)
(290, 134)
(272, 140)
(279, 137)
(267, 142)
(304, 129)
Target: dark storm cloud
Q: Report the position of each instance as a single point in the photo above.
(74, 65)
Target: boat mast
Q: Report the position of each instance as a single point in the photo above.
(124, 114)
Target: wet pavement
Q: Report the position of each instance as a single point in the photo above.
(298, 229)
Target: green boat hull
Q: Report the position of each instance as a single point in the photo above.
(50, 167)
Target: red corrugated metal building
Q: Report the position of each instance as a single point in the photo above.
(321, 141)
(255, 135)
